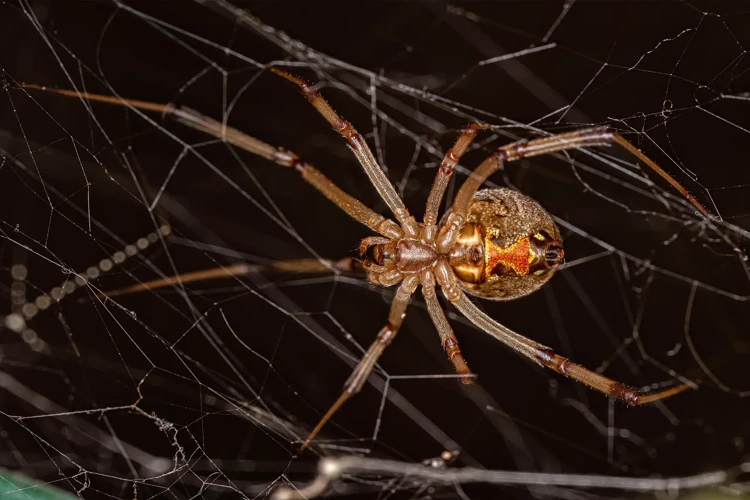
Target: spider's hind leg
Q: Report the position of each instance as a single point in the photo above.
(546, 357)
(357, 379)
(346, 264)
(596, 136)
(448, 338)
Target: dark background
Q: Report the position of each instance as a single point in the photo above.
(77, 185)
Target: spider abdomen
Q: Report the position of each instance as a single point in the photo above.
(521, 245)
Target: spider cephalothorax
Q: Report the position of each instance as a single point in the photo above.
(496, 243)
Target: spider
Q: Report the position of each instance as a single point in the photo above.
(497, 244)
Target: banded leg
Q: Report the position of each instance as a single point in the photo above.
(191, 118)
(360, 150)
(448, 338)
(444, 173)
(357, 379)
(243, 268)
(599, 136)
(546, 357)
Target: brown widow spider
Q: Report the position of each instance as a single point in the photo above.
(496, 244)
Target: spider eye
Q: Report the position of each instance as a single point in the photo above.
(554, 255)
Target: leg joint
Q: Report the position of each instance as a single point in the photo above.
(624, 393)
(548, 358)
(511, 152)
(352, 136)
(385, 336)
(446, 167)
(451, 348)
(308, 91)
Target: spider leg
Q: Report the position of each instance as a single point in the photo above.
(345, 264)
(450, 343)
(357, 379)
(191, 118)
(581, 138)
(546, 357)
(444, 173)
(360, 149)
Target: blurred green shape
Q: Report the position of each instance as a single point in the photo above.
(14, 486)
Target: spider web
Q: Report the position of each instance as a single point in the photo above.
(207, 389)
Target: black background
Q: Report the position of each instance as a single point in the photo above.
(199, 376)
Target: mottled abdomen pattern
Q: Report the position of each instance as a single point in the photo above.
(511, 222)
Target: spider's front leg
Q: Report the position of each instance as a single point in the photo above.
(283, 157)
(357, 379)
(361, 151)
(452, 157)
